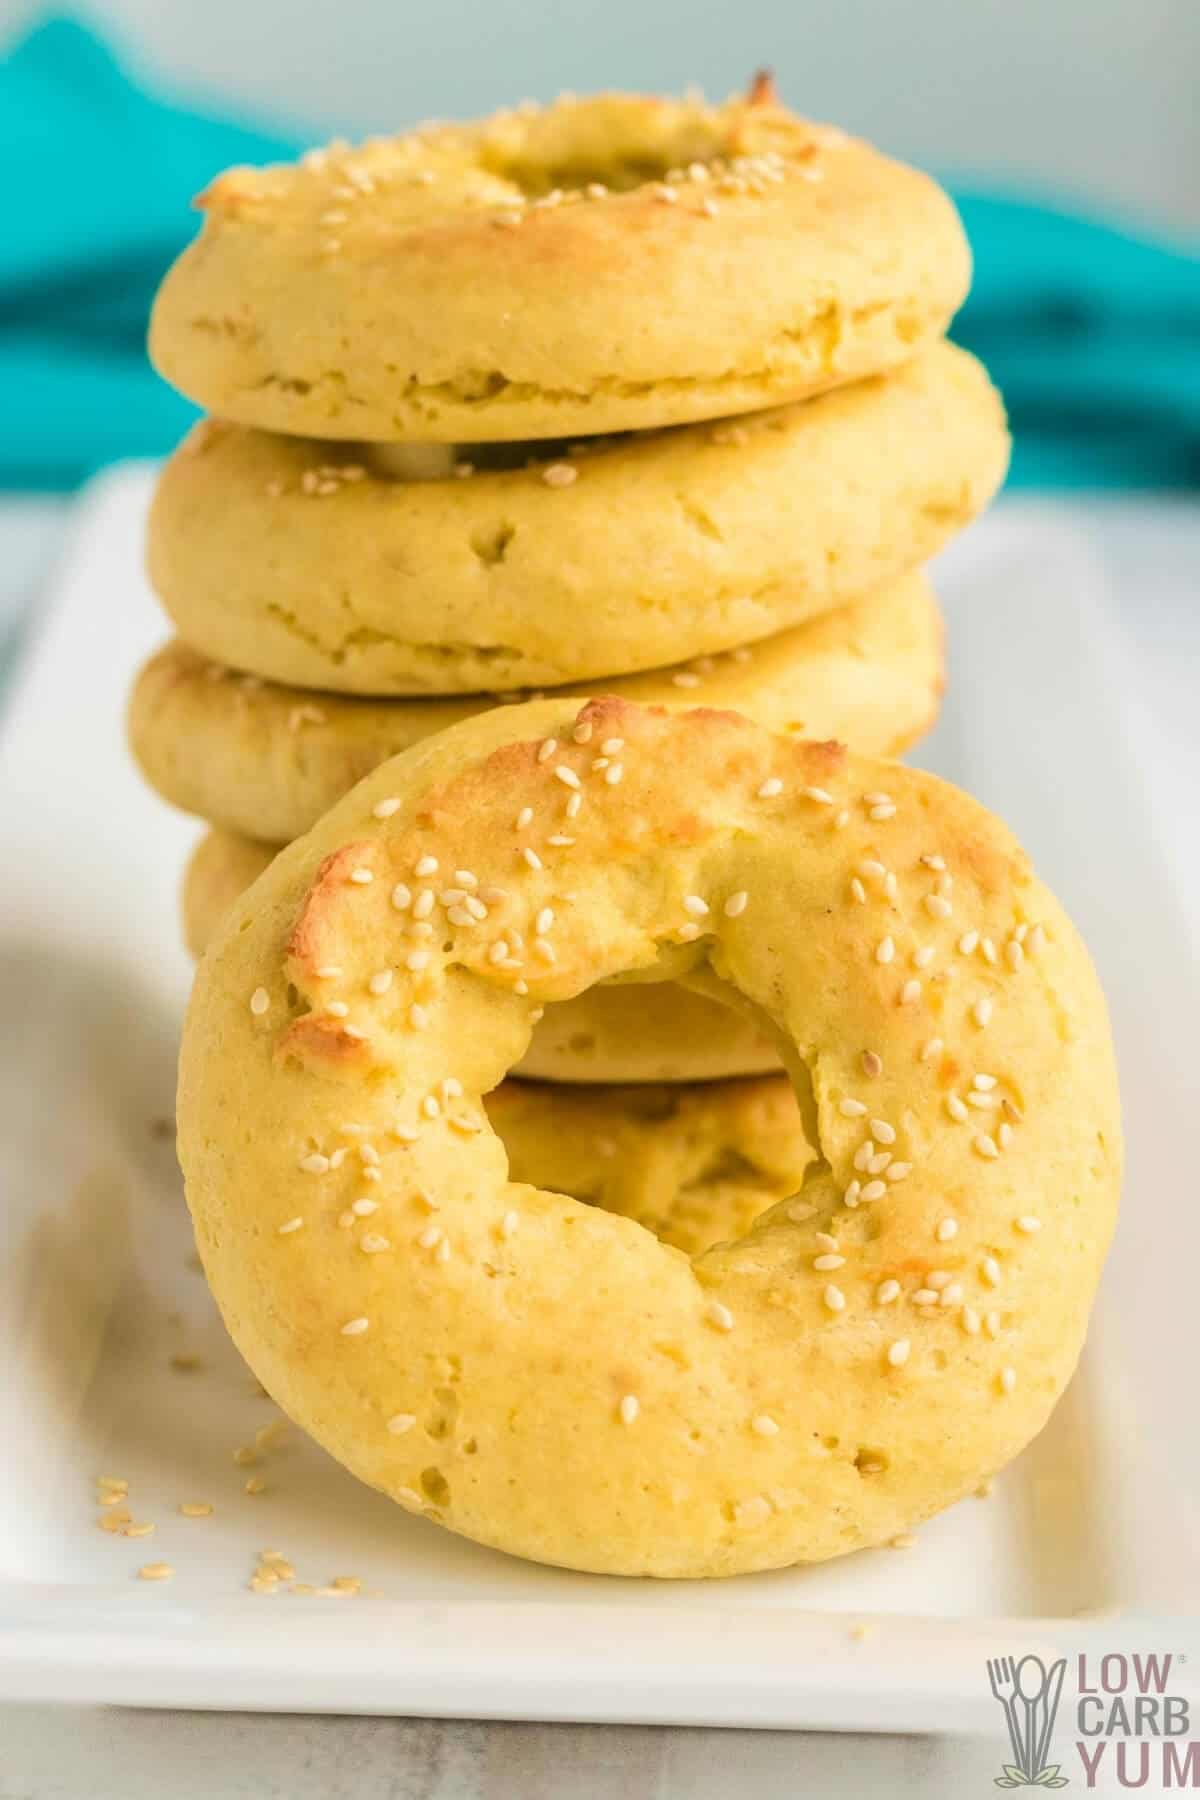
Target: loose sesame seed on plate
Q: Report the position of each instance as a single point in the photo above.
(629, 1408)
(158, 1571)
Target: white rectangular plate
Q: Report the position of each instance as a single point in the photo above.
(1090, 1538)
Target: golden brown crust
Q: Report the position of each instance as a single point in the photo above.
(494, 281)
(265, 761)
(758, 1405)
(270, 558)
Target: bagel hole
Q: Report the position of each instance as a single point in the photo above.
(435, 1487)
(618, 166)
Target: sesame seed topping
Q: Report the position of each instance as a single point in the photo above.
(1028, 1224)
(924, 956)
(559, 474)
(819, 794)
(260, 1000)
(361, 877)
(567, 776)
(546, 749)
(883, 1131)
(524, 818)
(692, 903)
(423, 904)
(956, 1108)
(314, 1163)
(899, 1171)
(1008, 1380)
(947, 1229)
(925, 1296)
(828, 1261)
(981, 1012)
(685, 678)
(933, 1048)
(401, 897)
(772, 786)
(910, 993)
(337, 1009)
(425, 865)
(416, 960)
(290, 1225)
(851, 1109)
(384, 809)
(531, 858)
(858, 890)
(886, 1292)
(989, 1270)
(381, 981)
(885, 810)
(885, 950)
(355, 1327)
(1013, 954)
(613, 774)
(362, 1209)
(418, 1017)
(851, 1196)
(158, 1571)
(934, 862)
(872, 1064)
(986, 1146)
(834, 1298)
(898, 1352)
(938, 906)
(1004, 1134)
(328, 972)
(763, 1425)
(719, 1315)
(970, 1321)
(991, 1324)
(629, 1408)
(372, 1242)
(399, 1423)
(874, 1190)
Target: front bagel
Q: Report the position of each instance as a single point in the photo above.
(549, 1378)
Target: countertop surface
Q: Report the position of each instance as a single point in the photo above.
(1152, 553)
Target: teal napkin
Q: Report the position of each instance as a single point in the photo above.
(1092, 333)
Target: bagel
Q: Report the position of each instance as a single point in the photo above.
(606, 264)
(266, 761)
(621, 1032)
(546, 1377)
(664, 548)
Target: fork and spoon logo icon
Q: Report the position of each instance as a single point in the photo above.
(1029, 1693)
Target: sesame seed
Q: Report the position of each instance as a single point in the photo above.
(381, 981)
(1008, 1380)
(430, 1238)
(531, 857)
(613, 775)
(877, 799)
(834, 1298)
(629, 1409)
(885, 950)
(401, 897)
(337, 1009)
(991, 1324)
(384, 809)
(1004, 1134)
(934, 862)
(763, 1425)
(956, 1108)
(924, 956)
(158, 1571)
(772, 786)
(1013, 954)
(899, 1171)
(947, 1229)
(986, 1146)
(891, 886)
(685, 678)
(828, 1261)
(524, 818)
(290, 1225)
(879, 1163)
(362, 1209)
(933, 1048)
(425, 865)
(858, 890)
(260, 1000)
(582, 733)
(898, 1352)
(988, 949)
(399, 1423)
(559, 474)
(719, 1316)
(692, 903)
(872, 1064)
(989, 1270)
(423, 904)
(195, 1509)
(372, 1242)
(314, 1164)
(981, 1012)
(851, 1109)
(567, 776)
(546, 749)
(938, 906)
(885, 810)
(883, 1131)
(416, 960)
(361, 877)
(925, 1296)
(1028, 1224)
(985, 1102)
(355, 1327)
(869, 866)
(886, 1292)
(874, 1190)
(1036, 940)
(970, 1321)
(418, 1017)
(967, 942)
(826, 1240)
(819, 794)
(431, 1106)
(328, 972)
(851, 1196)
(841, 818)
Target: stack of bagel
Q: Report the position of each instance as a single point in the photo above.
(560, 515)
(621, 395)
